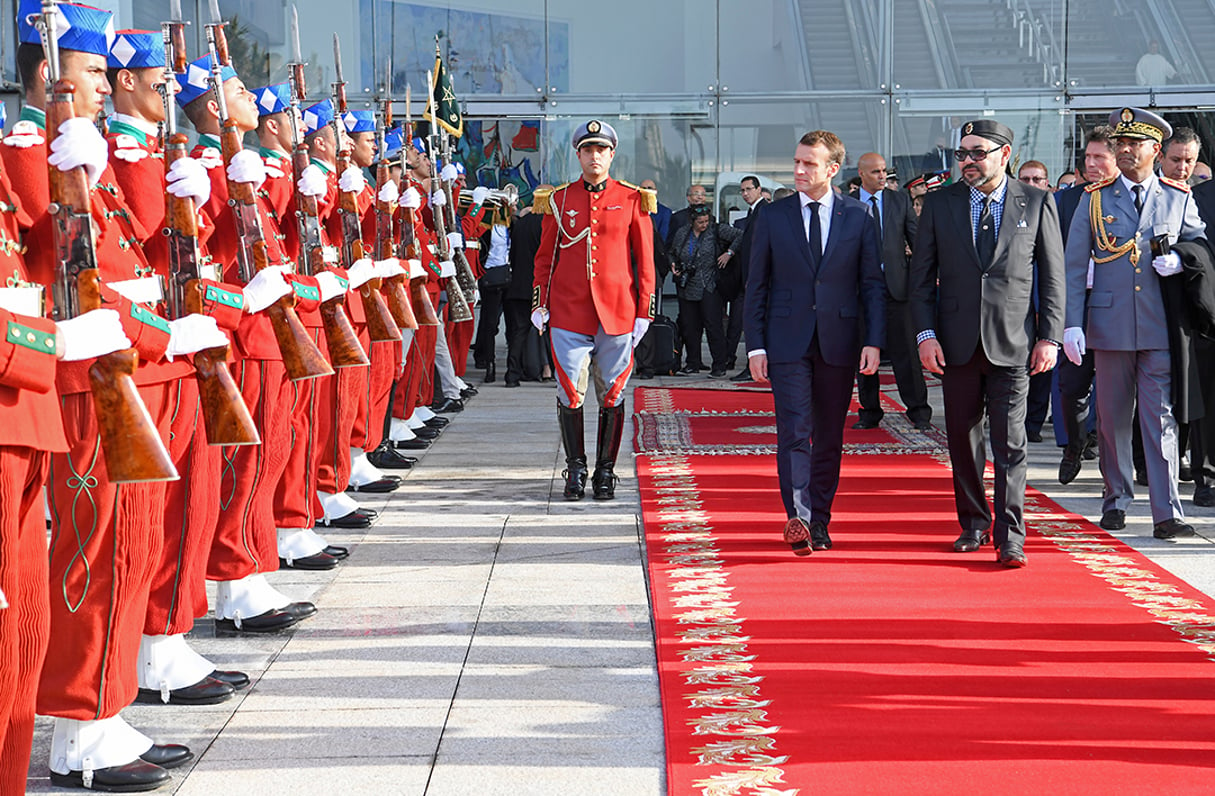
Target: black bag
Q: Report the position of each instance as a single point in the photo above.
(498, 276)
(533, 355)
(656, 352)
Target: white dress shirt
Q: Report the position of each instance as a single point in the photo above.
(824, 214)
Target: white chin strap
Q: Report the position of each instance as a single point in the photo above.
(87, 746)
(246, 598)
(362, 472)
(296, 543)
(167, 663)
(336, 506)
(399, 430)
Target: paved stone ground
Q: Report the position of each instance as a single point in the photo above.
(485, 636)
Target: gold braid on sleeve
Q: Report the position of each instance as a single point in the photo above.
(1104, 242)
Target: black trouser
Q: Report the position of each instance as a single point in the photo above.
(487, 325)
(1075, 391)
(703, 317)
(734, 326)
(1038, 403)
(1202, 431)
(908, 374)
(517, 315)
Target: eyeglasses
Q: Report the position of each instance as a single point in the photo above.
(977, 155)
(1034, 180)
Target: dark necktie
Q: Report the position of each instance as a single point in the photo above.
(1138, 189)
(816, 235)
(985, 238)
(877, 214)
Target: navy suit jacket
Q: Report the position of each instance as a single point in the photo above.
(787, 299)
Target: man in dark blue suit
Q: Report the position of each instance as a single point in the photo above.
(814, 266)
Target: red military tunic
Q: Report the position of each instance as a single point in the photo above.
(587, 277)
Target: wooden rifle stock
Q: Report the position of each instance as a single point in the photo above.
(134, 451)
(458, 309)
(226, 417)
(381, 323)
(394, 287)
(419, 296)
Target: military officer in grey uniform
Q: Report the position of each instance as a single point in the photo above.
(1115, 224)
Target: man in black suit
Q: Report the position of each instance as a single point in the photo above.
(753, 195)
(1202, 432)
(517, 304)
(896, 232)
(814, 266)
(980, 242)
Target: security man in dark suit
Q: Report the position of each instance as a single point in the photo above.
(753, 195)
(896, 229)
(972, 274)
(814, 267)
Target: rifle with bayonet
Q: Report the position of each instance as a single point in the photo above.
(459, 308)
(345, 350)
(393, 287)
(134, 451)
(464, 272)
(381, 325)
(226, 418)
(419, 296)
(301, 357)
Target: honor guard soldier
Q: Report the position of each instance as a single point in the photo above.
(594, 287)
(1126, 225)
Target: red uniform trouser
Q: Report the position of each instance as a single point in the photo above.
(337, 404)
(423, 355)
(25, 625)
(178, 592)
(246, 541)
(405, 398)
(295, 492)
(459, 340)
(105, 545)
(369, 423)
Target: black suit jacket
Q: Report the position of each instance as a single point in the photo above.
(1204, 197)
(968, 305)
(897, 234)
(1068, 200)
(524, 243)
(744, 248)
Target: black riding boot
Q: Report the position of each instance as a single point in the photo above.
(570, 421)
(611, 428)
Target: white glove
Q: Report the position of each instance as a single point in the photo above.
(447, 269)
(247, 166)
(80, 144)
(539, 319)
(640, 327)
(360, 272)
(312, 181)
(438, 199)
(92, 334)
(266, 287)
(479, 195)
(1073, 344)
(449, 173)
(352, 180)
(330, 285)
(389, 193)
(455, 240)
(193, 333)
(411, 199)
(387, 269)
(1167, 264)
(187, 179)
(3, 600)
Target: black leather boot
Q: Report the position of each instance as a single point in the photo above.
(611, 429)
(570, 421)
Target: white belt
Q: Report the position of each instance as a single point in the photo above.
(475, 245)
(23, 300)
(148, 290)
(209, 271)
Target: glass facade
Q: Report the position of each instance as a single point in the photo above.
(698, 90)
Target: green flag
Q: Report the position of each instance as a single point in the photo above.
(443, 108)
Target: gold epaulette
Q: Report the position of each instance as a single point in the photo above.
(1097, 186)
(542, 201)
(649, 198)
(1181, 186)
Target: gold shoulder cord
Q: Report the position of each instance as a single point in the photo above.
(1104, 242)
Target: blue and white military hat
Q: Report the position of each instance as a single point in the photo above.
(359, 121)
(317, 116)
(419, 145)
(394, 142)
(272, 99)
(594, 132)
(1138, 123)
(137, 49)
(195, 81)
(81, 28)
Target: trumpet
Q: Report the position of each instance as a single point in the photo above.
(501, 197)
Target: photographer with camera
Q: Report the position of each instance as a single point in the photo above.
(698, 252)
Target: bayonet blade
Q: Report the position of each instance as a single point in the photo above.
(295, 36)
(216, 17)
(175, 11)
(337, 58)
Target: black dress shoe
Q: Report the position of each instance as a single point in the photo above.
(133, 777)
(717, 374)
(1204, 496)
(340, 553)
(410, 445)
(380, 486)
(1069, 467)
(237, 680)
(865, 424)
(352, 520)
(268, 622)
(970, 541)
(207, 691)
(1033, 436)
(300, 610)
(389, 459)
(447, 405)
(1012, 556)
(742, 375)
(437, 422)
(922, 425)
(1172, 528)
(1113, 520)
(169, 755)
(797, 536)
(1141, 477)
(1090, 447)
(468, 392)
(315, 563)
(426, 432)
(515, 382)
(819, 538)
(1185, 472)
(491, 373)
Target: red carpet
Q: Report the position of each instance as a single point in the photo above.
(891, 664)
